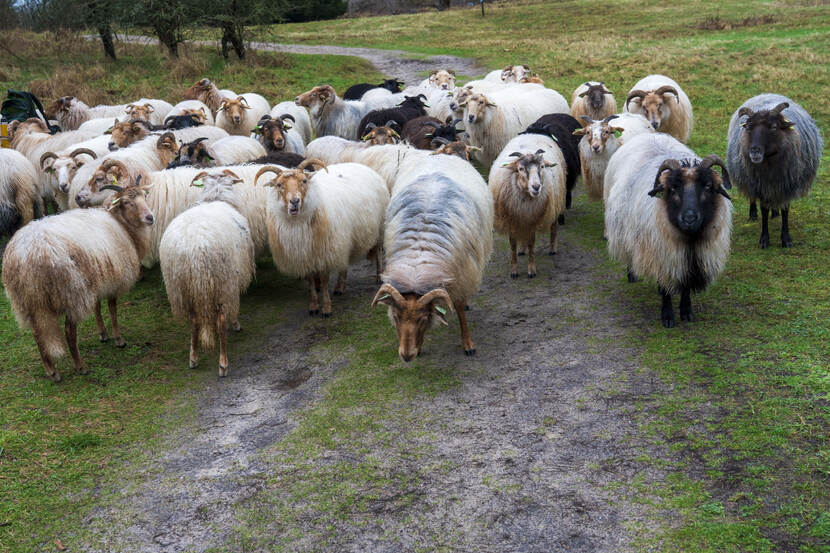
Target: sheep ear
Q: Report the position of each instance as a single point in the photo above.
(197, 180)
(656, 190)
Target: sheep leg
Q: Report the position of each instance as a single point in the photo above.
(531, 257)
(466, 339)
(341, 284)
(568, 197)
(221, 330)
(374, 253)
(753, 211)
(99, 320)
(71, 330)
(686, 305)
(194, 343)
(561, 219)
(48, 362)
(631, 276)
(786, 241)
(554, 238)
(235, 326)
(314, 306)
(514, 262)
(666, 310)
(116, 330)
(764, 226)
(325, 306)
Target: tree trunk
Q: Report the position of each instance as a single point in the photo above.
(170, 39)
(105, 31)
(232, 33)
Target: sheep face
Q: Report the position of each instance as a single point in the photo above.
(107, 174)
(596, 94)
(316, 99)
(442, 79)
(167, 147)
(272, 131)
(392, 85)
(477, 109)
(515, 73)
(412, 314)
(135, 111)
(125, 133)
(59, 107)
(199, 114)
(458, 148)
(378, 136)
(655, 105)
(199, 90)
(193, 153)
(690, 192)
(20, 129)
(527, 171)
(235, 109)
(598, 133)
(130, 205)
(764, 131)
(291, 184)
(64, 167)
(460, 97)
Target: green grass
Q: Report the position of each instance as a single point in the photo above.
(747, 414)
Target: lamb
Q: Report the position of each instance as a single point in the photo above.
(68, 263)
(302, 122)
(593, 100)
(494, 119)
(424, 132)
(527, 182)
(206, 92)
(332, 116)
(333, 149)
(410, 108)
(356, 91)
(600, 139)
(324, 222)
(225, 151)
(207, 261)
(279, 134)
(194, 107)
(664, 104)
(437, 243)
(680, 239)
(20, 200)
(240, 115)
(774, 148)
(561, 127)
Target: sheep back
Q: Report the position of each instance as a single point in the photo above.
(20, 199)
(302, 122)
(681, 122)
(207, 260)
(792, 173)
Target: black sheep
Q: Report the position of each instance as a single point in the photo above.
(561, 127)
(284, 159)
(424, 132)
(356, 91)
(410, 108)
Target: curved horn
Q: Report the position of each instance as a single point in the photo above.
(670, 164)
(370, 126)
(516, 154)
(314, 163)
(80, 151)
(439, 140)
(198, 140)
(668, 89)
(610, 118)
(167, 135)
(110, 163)
(243, 100)
(46, 156)
(197, 177)
(714, 159)
(432, 124)
(587, 119)
(267, 169)
(438, 293)
(285, 116)
(112, 187)
(634, 94)
(745, 111)
(387, 289)
(779, 108)
(390, 124)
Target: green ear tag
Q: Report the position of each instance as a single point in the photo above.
(116, 200)
(197, 182)
(617, 133)
(554, 138)
(441, 310)
(383, 297)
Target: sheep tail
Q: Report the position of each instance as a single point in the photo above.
(206, 320)
(48, 333)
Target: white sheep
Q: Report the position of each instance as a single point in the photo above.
(594, 100)
(62, 166)
(195, 107)
(322, 223)
(151, 110)
(302, 122)
(98, 126)
(527, 182)
(437, 243)
(207, 260)
(494, 119)
(240, 115)
(68, 263)
(20, 200)
(331, 115)
(664, 104)
(333, 149)
(443, 79)
(70, 112)
(206, 92)
(681, 239)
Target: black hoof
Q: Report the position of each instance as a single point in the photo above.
(103, 338)
(687, 316)
(531, 275)
(561, 220)
(786, 243)
(668, 323)
(551, 253)
(764, 242)
(337, 293)
(122, 345)
(469, 352)
(313, 312)
(632, 277)
(514, 275)
(326, 315)
(521, 253)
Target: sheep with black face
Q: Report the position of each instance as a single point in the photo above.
(278, 134)
(773, 152)
(593, 99)
(668, 218)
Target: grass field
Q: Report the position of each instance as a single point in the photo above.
(748, 415)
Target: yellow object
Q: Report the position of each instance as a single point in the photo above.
(4, 136)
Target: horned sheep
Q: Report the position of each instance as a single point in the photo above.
(331, 115)
(279, 134)
(323, 222)
(194, 107)
(594, 100)
(300, 118)
(664, 104)
(207, 260)
(240, 115)
(774, 148)
(206, 92)
(681, 239)
(225, 151)
(20, 200)
(91, 255)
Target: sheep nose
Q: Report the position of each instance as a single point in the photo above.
(112, 146)
(295, 202)
(64, 187)
(471, 118)
(297, 101)
(655, 124)
(149, 219)
(407, 357)
(536, 187)
(690, 216)
(596, 147)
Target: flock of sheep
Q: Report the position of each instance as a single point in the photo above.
(208, 185)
